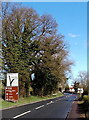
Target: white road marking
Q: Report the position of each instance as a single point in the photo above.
(21, 114)
(50, 103)
(58, 99)
(39, 107)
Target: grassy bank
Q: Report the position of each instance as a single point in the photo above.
(5, 104)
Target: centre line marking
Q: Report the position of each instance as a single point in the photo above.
(50, 103)
(39, 107)
(22, 114)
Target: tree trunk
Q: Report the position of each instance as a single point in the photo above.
(27, 88)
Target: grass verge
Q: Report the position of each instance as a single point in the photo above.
(25, 100)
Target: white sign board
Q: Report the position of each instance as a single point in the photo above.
(12, 79)
(80, 90)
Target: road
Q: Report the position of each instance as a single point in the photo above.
(53, 108)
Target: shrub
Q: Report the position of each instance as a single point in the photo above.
(86, 105)
(86, 98)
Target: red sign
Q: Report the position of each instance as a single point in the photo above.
(11, 94)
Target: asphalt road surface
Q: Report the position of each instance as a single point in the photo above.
(53, 108)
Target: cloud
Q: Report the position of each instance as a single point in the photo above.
(72, 35)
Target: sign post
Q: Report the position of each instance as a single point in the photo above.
(12, 89)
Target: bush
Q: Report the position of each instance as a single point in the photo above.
(86, 98)
(86, 105)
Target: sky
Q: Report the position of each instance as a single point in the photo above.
(44, 0)
(87, 36)
(72, 23)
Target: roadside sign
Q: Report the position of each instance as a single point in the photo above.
(12, 79)
(11, 94)
(12, 90)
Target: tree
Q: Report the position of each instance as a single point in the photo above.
(83, 78)
(67, 88)
(76, 86)
(31, 44)
(18, 31)
(51, 60)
